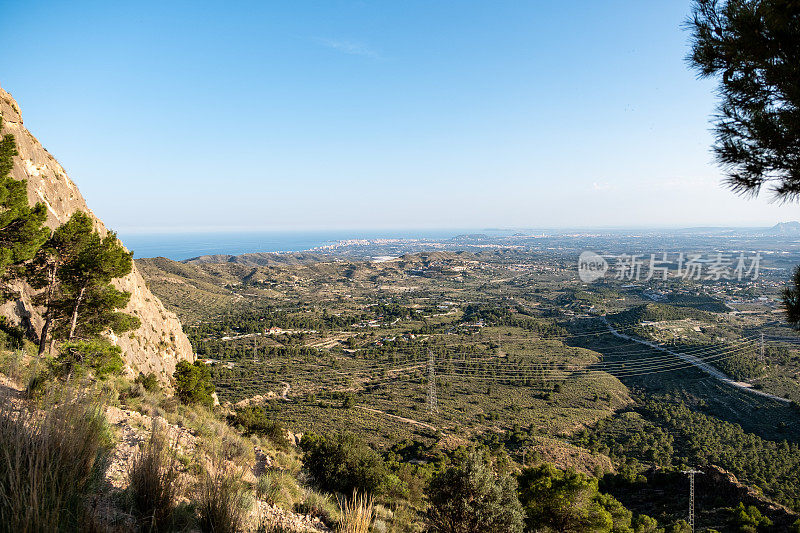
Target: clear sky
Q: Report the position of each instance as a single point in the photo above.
(394, 114)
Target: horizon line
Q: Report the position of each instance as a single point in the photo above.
(187, 230)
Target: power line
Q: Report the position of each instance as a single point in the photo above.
(536, 372)
(501, 369)
(660, 364)
(699, 352)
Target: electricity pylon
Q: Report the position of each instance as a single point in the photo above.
(433, 405)
(691, 473)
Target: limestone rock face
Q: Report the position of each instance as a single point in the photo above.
(160, 342)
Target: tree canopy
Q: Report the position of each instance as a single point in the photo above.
(193, 383)
(99, 356)
(21, 226)
(77, 265)
(567, 501)
(753, 48)
(791, 300)
(344, 463)
(469, 497)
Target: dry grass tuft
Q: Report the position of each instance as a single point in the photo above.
(222, 501)
(50, 462)
(277, 487)
(356, 514)
(319, 505)
(154, 482)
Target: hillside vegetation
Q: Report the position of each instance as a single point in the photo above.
(343, 343)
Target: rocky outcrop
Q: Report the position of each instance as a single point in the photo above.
(720, 482)
(160, 342)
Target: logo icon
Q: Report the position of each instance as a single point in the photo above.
(591, 267)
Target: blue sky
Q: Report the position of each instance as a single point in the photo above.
(339, 114)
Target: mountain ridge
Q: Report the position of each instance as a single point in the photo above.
(159, 343)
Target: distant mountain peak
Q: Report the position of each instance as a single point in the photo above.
(786, 228)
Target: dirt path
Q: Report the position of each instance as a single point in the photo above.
(400, 418)
(11, 393)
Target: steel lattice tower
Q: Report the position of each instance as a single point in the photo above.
(691, 473)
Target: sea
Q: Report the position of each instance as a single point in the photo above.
(180, 246)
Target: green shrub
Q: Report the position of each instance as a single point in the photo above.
(99, 356)
(255, 421)
(349, 401)
(469, 497)
(193, 383)
(12, 364)
(287, 461)
(37, 383)
(11, 337)
(343, 463)
(644, 524)
(149, 381)
(748, 519)
(319, 505)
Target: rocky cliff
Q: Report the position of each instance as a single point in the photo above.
(160, 342)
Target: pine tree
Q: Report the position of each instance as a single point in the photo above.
(193, 383)
(791, 299)
(60, 248)
(753, 48)
(76, 266)
(469, 497)
(22, 229)
(566, 501)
